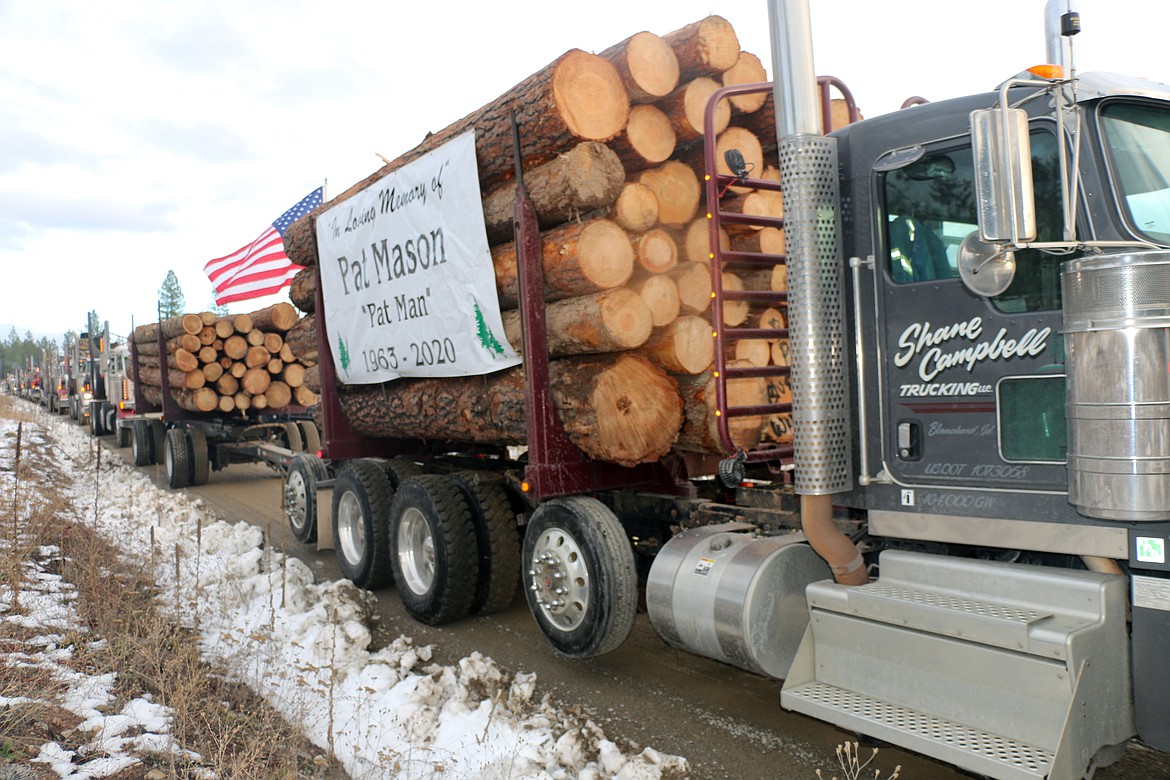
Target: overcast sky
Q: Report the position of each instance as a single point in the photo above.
(138, 137)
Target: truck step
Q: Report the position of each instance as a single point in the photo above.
(965, 747)
(1007, 670)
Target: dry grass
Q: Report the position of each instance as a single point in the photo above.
(234, 731)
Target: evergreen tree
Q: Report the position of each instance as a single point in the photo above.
(219, 308)
(170, 297)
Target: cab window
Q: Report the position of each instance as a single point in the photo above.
(930, 209)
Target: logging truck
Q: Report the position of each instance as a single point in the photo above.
(951, 536)
(198, 392)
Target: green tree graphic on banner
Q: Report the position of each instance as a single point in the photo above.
(487, 339)
(343, 353)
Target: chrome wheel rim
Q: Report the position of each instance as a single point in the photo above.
(296, 503)
(560, 579)
(351, 529)
(416, 551)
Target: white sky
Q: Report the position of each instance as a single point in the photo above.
(137, 137)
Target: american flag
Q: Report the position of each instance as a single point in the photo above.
(260, 267)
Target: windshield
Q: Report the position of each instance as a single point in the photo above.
(1137, 137)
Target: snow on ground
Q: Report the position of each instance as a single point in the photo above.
(305, 646)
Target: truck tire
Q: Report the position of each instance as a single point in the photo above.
(310, 435)
(177, 458)
(300, 495)
(72, 408)
(109, 418)
(141, 445)
(398, 470)
(200, 459)
(433, 549)
(292, 436)
(96, 420)
(579, 576)
(361, 503)
(158, 439)
(497, 541)
(123, 435)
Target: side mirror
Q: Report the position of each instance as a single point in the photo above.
(1003, 175)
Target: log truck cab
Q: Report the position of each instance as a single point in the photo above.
(979, 302)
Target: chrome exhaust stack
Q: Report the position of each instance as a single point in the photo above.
(816, 284)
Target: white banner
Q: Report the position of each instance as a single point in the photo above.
(407, 277)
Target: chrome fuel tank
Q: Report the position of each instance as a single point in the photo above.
(721, 592)
(1117, 337)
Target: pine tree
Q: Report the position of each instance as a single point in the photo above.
(170, 297)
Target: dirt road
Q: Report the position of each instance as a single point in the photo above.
(726, 722)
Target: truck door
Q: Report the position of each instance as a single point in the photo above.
(972, 386)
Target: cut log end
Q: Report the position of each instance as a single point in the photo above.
(605, 254)
(639, 412)
(591, 97)
(636, 208)
(652, 64)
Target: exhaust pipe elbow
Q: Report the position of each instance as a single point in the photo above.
(842, 555)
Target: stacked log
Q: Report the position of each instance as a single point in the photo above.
(623, 219)
(245, 363)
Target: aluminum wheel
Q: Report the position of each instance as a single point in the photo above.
(416, 551)
(351, 528)
(560, 578)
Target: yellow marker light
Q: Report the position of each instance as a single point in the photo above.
(716, 374)
(712, 295)
(706, 177)
(714, 335)
(1052, 72)
(524, 486)
(718, 413)
(710, 255)
(708, 215)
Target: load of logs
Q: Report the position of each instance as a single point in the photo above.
(626, 253)
(228, 364)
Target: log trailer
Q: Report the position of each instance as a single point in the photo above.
(964, 551)
(191, 444)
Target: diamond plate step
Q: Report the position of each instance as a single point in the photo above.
(965, 747)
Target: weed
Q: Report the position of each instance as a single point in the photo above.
(849, 759)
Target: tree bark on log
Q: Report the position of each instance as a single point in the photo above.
(176, 379)
(677, 189)
(202, 400)
(302, 339)
(303, 290)
(649, 139)
(647, 64)
(186, 341)
(608, 321)
(578, 97)
(685, 346)
(700, 432)
(277, 317)
(619, 410)
(578, 259)
(769, 241)
(705, 48)
(586, 178)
